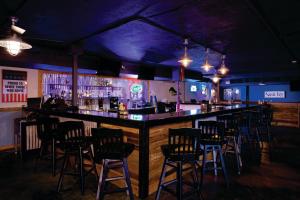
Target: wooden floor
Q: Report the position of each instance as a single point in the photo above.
(275, 176)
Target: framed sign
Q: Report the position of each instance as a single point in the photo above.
(14, 86)
(274, 94)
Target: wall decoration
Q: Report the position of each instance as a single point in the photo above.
(14, 86)
(274, 94)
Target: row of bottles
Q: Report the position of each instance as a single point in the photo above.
(89, 87)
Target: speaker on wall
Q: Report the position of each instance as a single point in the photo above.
(146, 73)
(295, 85)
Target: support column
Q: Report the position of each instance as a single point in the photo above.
(74, 80)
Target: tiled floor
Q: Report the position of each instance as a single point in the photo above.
(276, 176)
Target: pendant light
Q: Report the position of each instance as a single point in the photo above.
(215, 78)
(206, 66)
(13, 43)
(185, 60)
(223, 69)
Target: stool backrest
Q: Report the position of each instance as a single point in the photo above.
(45, 125)
(230, 121)
(72, 129)
(107, 136)
(108, 143)
(211, 128)
(184, 142)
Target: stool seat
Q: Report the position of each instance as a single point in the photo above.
(114, 151)
(171, 152)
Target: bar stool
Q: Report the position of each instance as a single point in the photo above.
(110, 148)
(181, 149)
(212, 140)
(76, 145)
(47, 133)
(232, 137)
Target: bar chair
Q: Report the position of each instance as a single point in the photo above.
(77, 145)
(232, 137)
(47, 133)
(182, 149)
(212, 140)
(111, 150)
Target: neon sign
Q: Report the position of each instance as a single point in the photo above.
(136, 88)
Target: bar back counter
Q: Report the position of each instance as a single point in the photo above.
(147, 133)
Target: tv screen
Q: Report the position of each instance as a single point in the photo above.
(193, 88)
(295, 85)
(146, 73)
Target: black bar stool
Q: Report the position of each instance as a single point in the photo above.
(212, 140)
(232, 137)
(110, 148)
(47, 133)
(182, 149)
(76, 145)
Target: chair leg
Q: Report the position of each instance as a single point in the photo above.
(82, 176)
(203, 165)
(161, 180)
(215, 160)
(100, 180)
(197, 185)
(61, 176)
(223, 166)
(237, 155)
(53, 157)
(39, 156)
(179, 182)
(127, 178)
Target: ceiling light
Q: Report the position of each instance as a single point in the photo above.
(14, 44)
(294, 61)
(185, 60)
(206, 66)
(223, 69)
(215, 79)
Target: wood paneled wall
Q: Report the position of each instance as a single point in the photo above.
(286, 114)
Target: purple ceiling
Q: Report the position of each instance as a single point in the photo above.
(257, 36)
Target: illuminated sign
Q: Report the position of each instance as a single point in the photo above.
(136, 88)
(274, 94)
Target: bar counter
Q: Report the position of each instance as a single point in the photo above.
(148, 133)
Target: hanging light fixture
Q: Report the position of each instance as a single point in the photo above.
(223, 69)
(185, 60)
(14, 44)
(206, 66)
(215, 78)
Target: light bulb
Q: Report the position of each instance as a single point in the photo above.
(207, 66)
(223, 70)
(185, 61)
(215, 79)
(13, 47)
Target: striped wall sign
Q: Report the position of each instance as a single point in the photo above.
(14, 86)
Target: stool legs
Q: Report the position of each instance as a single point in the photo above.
(61, 176)
(218, 150)
(53, 157)
(161, 180)
(103, 179)
(127, 178)
(179, 181)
